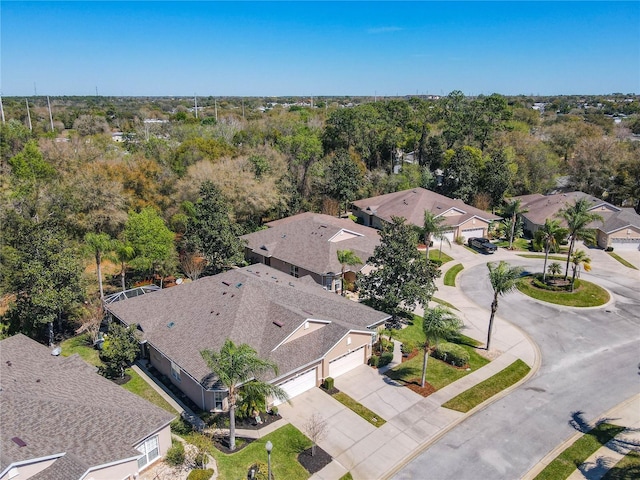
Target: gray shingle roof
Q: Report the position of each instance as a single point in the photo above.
(626, 217)
(60, 404)
(242, 304)
(303, 240)
(412, 203)
(542, 207)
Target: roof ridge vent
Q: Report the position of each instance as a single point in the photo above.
(278, 323)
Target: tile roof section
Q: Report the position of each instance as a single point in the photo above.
(241, 304)
(60, 404)
(304, 240)
(412, 203)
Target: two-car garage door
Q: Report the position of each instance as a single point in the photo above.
(300, 384)
(473, 232)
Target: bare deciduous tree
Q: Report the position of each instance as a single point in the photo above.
(316, 428)
(192, 265)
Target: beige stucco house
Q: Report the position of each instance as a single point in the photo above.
(308, 332)
(463, 220)
(61, 420)
(307, 245)
(620, 228)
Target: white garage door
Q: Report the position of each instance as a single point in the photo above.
(300, 384)
(625, 244)
(448, 235)
(346, 363)
(474, 232)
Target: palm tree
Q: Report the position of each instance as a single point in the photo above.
(433, 226)
(578, 217)
(511, 210)
(124, 253)
(99, 243)
(579, 258)
(237, 366)
(555, 268)
(551, 234)
(438, 324)
(347, 257)
(504, 279)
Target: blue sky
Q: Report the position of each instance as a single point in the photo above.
(319, 48)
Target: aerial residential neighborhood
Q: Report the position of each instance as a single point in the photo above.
(319, 240)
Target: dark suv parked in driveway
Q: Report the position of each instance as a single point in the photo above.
(482, 244)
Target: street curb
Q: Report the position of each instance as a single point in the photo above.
(498, 396)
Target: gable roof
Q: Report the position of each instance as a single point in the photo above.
(312, 240)
(411, 204)
(624, 218)
(60, 405)
(542, 207)
(243, 305)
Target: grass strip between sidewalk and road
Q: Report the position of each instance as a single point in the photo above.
(627, 468)
(622, 260)
(569, 460)
(541, 257)
(371, 417)
(444, 303)
(452, 273)
(489, 387)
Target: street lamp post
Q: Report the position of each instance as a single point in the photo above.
(269, 447)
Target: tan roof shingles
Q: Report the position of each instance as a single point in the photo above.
(215, 308)
(60, 404)
(541, 207)
(411, 204)
(303, 240)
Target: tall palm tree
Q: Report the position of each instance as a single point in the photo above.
(124, 253)
(98, 244)
(578, 217)
(438, 324)
(347, 257)
(551, 234)
(433, 226)
(579, 259)
(236, 366)
(511, 210)
(504, 279)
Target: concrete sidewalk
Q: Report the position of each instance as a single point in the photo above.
(626, 414)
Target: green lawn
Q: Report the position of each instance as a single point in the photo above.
(470, 249)
(622, 260)
(541, 256)
(628, 468)
(371, 417)
(287, 442)
(489, 387)
(346, 476)
(567, 462)
(436, 254)
(518, 244)
(586, 294)
(444, 303)
(137, 384)
(452, 273)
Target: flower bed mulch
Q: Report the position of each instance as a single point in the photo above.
(222, 443)
(414, 384)
(251, 424)
(316, 462)
(331, 392)
(414, 353)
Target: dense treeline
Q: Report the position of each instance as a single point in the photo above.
(154, 188)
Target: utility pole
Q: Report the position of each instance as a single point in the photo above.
(195, 101)
(50, 115)
(96, 90)
(215, 106)
(1, 109)
(35, 90)
(243, 109)
(28, 114)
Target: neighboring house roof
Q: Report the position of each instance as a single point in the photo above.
(257, 305)
(312, 240)
(411, 204)
(61, 406)
(624, 218)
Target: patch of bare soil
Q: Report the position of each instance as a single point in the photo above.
(414, 384)
(490, 355)
(316, 462)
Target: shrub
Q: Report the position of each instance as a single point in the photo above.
(199, 474)
(175, 454)
(328, 383)
(274, 410)
(384, 344)
(608, 249)
(181, 427)
(452, 354)
(459, 240)
(385, 359)
(408, 347)
(260, 471)
(374, 360)
(436, 261)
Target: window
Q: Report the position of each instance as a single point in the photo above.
(293, 271)
(218, 400)
(150, 450)
(175, 371)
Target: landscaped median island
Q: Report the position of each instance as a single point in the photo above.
(569, 460)
(489, 387)
(585, 294)
(452, 273)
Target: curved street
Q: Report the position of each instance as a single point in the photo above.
(589, 364)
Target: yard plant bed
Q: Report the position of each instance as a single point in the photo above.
(314, 463)
(585, 294)
(222, 444)
(221, 420)
(567, 462)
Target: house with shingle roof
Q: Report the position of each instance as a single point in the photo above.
(620, 228)
(61, 420)
(309, 333)
(307, 244)
(463, 220)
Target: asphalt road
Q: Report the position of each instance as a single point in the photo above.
(590, 363)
